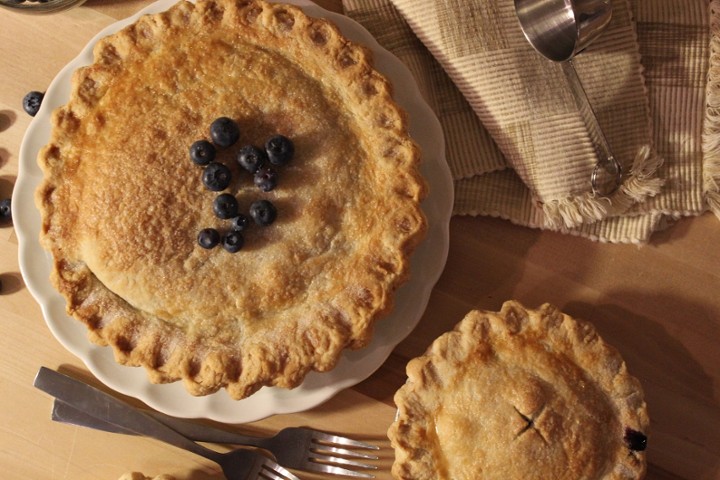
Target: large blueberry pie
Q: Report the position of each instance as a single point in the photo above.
(230, 195)
(519, 395)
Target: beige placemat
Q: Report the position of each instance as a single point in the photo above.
(657, 52)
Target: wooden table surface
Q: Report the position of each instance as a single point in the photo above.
(658, 304)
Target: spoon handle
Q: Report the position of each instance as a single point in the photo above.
(607, 174)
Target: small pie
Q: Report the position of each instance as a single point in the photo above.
(123, 205)
(519, 395)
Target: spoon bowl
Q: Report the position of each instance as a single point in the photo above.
(560, 29)
(36, 7)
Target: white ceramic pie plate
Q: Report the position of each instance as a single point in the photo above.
(427, 263)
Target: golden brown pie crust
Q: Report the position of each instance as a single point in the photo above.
(519, 394)
(122, 203)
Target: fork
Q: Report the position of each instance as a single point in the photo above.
(294, 447)
(240, 464)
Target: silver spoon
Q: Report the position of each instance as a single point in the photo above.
(50, 6)
(559, 30)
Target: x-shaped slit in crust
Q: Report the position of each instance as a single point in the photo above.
(530, 423)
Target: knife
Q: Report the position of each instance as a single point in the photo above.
(64, 413)
(109, 409)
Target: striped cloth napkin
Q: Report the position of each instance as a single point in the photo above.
(516, 143)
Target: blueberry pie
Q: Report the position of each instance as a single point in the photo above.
(142, 250)
(519, 395)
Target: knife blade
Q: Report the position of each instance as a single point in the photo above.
(109, 409)
(64, 413)
(68, 414)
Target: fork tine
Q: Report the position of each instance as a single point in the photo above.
(334, 470)
(338, 440)
(273, 471)
(322, 448)
(327, 459)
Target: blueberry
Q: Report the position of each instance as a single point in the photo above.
(216, 176)
(635, 440)
(251, 158)
(280, 150)
(240, 223)
(266, 179)
(208, 238)
(32, 102)
(5, 210)
(224, 132)
(202, 152)
(225, 206)
(263, 212)
(233, 241)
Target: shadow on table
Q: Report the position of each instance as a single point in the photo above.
(684, 413)
(491, 261)
(482, 270)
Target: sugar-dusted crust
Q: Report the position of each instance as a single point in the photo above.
(518, 395)
(122, 204)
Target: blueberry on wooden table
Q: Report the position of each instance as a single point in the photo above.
(32, 102)
(5, 210)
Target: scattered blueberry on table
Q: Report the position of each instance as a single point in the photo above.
(32, 102)
(5, 210)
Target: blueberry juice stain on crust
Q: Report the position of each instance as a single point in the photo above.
(636, 441)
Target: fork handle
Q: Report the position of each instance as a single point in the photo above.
(114, 411)
(209, 434)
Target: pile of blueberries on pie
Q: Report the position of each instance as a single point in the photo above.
(216, 176)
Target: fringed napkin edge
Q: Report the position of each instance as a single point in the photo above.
(711, 130)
